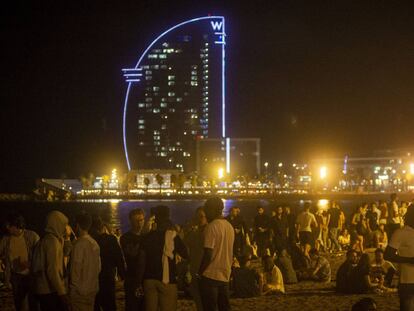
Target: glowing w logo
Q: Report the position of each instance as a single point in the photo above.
(216, 25)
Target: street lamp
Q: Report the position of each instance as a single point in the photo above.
(323, 172)
(220, 173)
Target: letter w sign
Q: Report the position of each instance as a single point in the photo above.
(216, 25)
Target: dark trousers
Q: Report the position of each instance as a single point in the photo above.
(214, 295)
(132, 302)
(50, 302)
(105, 299)
(406, 293)
(21, 285)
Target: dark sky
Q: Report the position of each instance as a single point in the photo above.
(310, 78)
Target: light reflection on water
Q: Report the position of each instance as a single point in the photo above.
(184, 210)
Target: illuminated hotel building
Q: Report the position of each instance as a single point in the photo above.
(175, 96)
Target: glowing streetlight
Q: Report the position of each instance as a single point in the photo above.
(412, 168)
(266, 164)
(280, 164)
(220, 173)
(323, 172)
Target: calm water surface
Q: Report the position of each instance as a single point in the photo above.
(116, 212)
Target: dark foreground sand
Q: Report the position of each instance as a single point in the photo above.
(304, 296)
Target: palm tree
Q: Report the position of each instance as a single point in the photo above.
(146, 183)
(160, 180)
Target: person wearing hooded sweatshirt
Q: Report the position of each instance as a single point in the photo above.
(47, 265)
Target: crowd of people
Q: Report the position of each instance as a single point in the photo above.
(209, 258)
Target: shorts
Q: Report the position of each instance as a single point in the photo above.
(305, 237)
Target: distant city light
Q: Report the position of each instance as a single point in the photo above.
(323, 172)
(220, 173)
(266, 164)
(280, 164)
(411, 168)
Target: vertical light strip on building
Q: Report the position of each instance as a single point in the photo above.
(228, 155)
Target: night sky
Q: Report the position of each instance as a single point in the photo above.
(310, 78)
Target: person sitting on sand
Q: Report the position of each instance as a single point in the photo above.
(381, 268)
(344, 272)
(247, 282)
(321, 268)
(344, 239)
(273, 278)
(381, 237)
(359, 281)
(285, 265)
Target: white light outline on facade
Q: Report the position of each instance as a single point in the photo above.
(138, 68)
(228, 155)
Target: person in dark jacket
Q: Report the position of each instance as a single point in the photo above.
(112, 262)
(159, 249)
(344, 272)
(261, 231)
(131, 247)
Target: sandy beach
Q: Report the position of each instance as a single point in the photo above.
(304, 296)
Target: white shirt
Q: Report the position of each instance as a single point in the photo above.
(403, 241)
(219, 236)
(393, 215)
(85, 265)
(305, 221)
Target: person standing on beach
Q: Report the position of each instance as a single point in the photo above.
(261, 231)
(194, 241)
(112, 262)
(305, 222)
(48, 265)
(334, 225)
(215, 268)
(237, 222)
(16, 251)
(131, 247)
(401, 250)
(85, 266)
(160, 248)
(280, 228)
(394, 220)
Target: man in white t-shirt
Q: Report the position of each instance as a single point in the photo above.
(215, 268)
(401, 250)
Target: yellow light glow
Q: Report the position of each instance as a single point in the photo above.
(411, 168)
(280, 164)
(266, 164)
(220, 173)
(323, 172)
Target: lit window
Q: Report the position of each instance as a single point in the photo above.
(170, 83)
(148, 72)
(164, 126)
(171, 78)
(163, 105)
(194, 83)
(179, 99)
(152, 56)
(155, 66)
(141, 105)
(141, 127)
(171, 94)
(156, 132)
(148, 99)
(156, 110)
(141, 143)
(148, 78)
(141, 121)
(194, 132)
(156, 88)
(162, 56)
